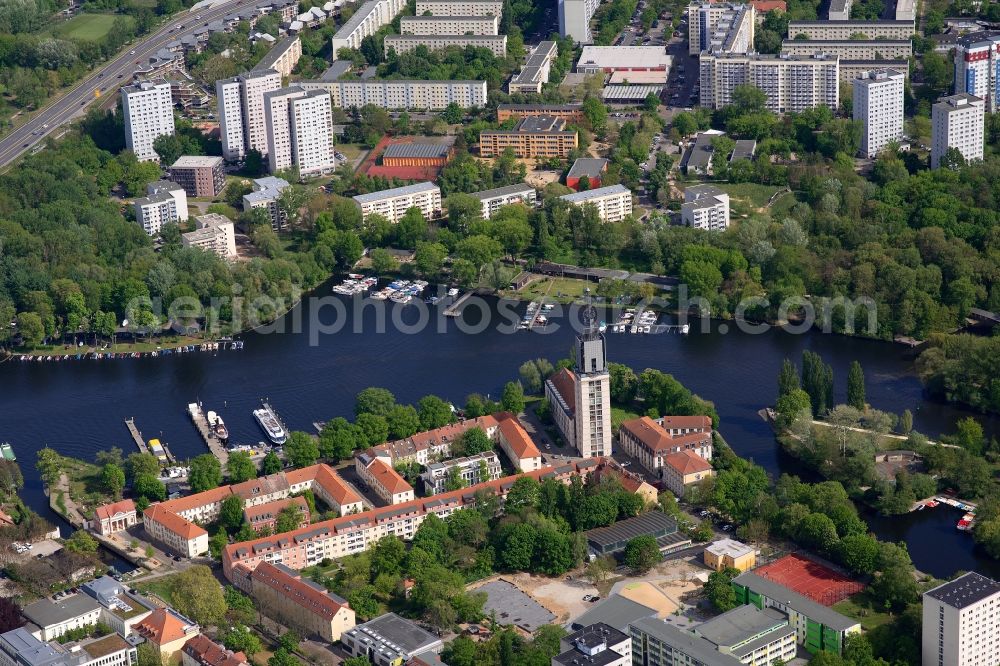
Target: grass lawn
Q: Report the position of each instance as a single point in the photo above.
(859, 607)
(562, 290)
(750, 193)
(88, 27)
(85, 485)
(351, 151)
(618, 415)
(163, 587)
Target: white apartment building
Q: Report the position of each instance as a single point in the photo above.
(497, 44)
(851, 49)
(213, 233)
(402, 95)
(840, 10)
(852, 69)
(283, 56)
(299, 130)
(977, 59)
(242, 122)
(148, 110)
(460, 7)
(366, 21)
(705, 207)
(471, 470)
(842, 30)
(905, 10)
(957, 122)
(393, 203)
(791, 83)
(878, 104)
(450, 25)
(535, 72)
(597, 644)
(961, 622)
(613, 203)
(265, 194)
(495, 199)
(19, 647)
(154, 211)
(175, 191)
(575, 17)
(720, 26)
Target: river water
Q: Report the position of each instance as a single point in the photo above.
(79, 407)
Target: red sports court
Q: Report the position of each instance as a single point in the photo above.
(810, 579)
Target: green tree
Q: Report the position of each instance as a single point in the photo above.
(624, 383)
(49, 465)
(374, 400)
(513, 398)
(788, 378)
(241, 607)
(141, 463)
(859, 553)
(271, 464)
(240, 467)
(429, 258)
(642, 553)
(150, 488)
(856, 386)
(792, 406)
(524, 494)
(241, 639)
(719, 589)
(81, 542)
(113, 479)
(373, 427)
(197, 594)
(301, 449)
(231, 513)
(970, 435)
(288, 519)
(205, 473)
(473, 441)
(383, 262)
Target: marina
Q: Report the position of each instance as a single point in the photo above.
(154, 446)
(136, 435)
(219, 345)
(401, 291)
(208, 433)
(272, 426)
(355, 284)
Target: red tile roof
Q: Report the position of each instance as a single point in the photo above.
(270, 511)
(655, 438)
(335, 486)
(764, 6)
(324, 604)
(687, 462)
(387, 477)
(162, 626)
(209, 653)
(564, 381)
(265, 485)
(171, 521)
(682, 422)
(108, 511)
(517, 437)
(213, 496)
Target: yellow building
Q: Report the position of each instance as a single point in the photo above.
(730, 554)
(167, 631)
(535, 136)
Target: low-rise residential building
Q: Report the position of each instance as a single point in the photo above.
(613, 202)
(203, 651)
(613, 538)
(199, 175)
(401, 95)
(595, 645)
(497, 44)
(283, 56)
(19, 647)
(299, 603)
(630, 481)
(650, 442)
(120, 609)
(213, 233)
(840, 10)
(167, 631)
(265, 516)
(364, 22)
(845, 30)
(470, 470)
(571, 113)
(697, 159)
(115, 517)
(684, 469)
(609, 59)
(389, 640)
(817, 627)
(957, 121)
(730, 554)
(433, 445)
(852, 69)
(383, 479)
(495, 199)
(535, 72)
(265, 195)
(178, 534)
(460, 7)
(156, 210)
(175, 191)
(533, 136)
(55, 618)
(851, 49)
(393, 203)
(327, 485)
(449, 25)
(591, 168)
(705, 207)
(515, 441)
(656, 642)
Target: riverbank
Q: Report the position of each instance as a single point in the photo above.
(132, 350)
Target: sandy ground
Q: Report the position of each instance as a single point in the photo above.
(562, 597)
(539, 179)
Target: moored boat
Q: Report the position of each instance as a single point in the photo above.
(269, 423)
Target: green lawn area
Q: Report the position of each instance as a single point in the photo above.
(751, 193)
(88, 27)
(618, 415)
(859, 608)
(555, 289)
(351, 150)
(162, 587)
(85, 485)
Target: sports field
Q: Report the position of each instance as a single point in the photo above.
(810, 579)
(87, 27)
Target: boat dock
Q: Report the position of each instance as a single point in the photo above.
(136, 435)
(455, 308)
(211, 441)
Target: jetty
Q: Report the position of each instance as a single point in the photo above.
(136, 435)
(455, 309)
(211, 441)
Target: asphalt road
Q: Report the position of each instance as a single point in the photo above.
(107, 79)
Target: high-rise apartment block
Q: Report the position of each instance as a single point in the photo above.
(200, 176)
(977, 66)
(299, 130)
(961, 622)
(450, 25)
(148, 111)
(165, 203)
(791, 83)
(460, 7)
(957, 122)
(402, 94)
(575, 17)
(366, 21)
(497, 44)
(878, 104)
(720, 26)
(242, 124)
(592, 397)
(844, 30)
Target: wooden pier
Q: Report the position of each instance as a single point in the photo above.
(136, 435)
(211, 441)
(455, 309)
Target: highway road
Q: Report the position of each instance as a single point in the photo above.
(108, 78)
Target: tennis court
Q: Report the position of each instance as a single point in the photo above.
(811, 579)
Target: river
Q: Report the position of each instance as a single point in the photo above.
(78, 407)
